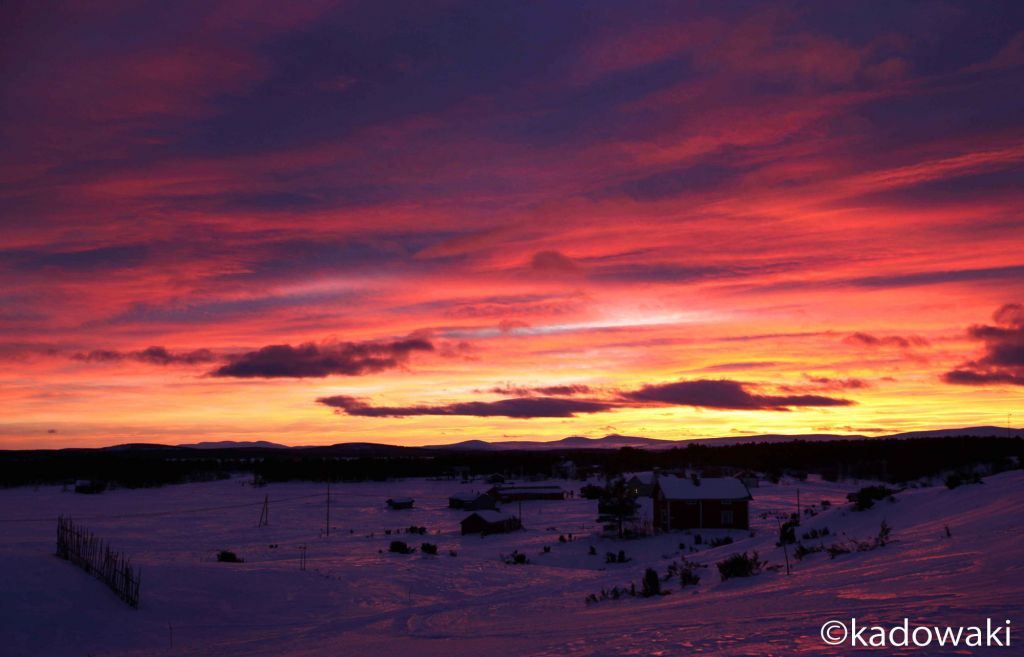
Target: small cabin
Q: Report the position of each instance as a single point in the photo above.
(520, 493)
(490, 522)
(399, 503)
(471, 501)
(696, 503)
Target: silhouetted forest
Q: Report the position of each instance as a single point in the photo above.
(891, 460)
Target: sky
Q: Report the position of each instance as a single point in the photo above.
(427, 222)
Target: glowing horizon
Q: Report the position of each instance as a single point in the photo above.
(433, 223)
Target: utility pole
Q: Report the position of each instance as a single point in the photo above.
(265, 512)
(302, 557)
(798, 516)
(328, 509)
(785, 548)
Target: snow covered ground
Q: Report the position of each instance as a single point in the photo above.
(356, 598)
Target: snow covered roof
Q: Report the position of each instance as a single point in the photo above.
(710, 488)
(642, 477)
(466, 497)
(491, 516)
(545, 488)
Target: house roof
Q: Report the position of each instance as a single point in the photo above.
(643, 477)
(399, 500)
(710, 488)
(490, 516)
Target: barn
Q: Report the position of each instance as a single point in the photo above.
(490, 522)
(471, 501)
(399, 503)
(695, 503)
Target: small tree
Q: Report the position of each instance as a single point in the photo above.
(740, 565)
(651, 583)
(617, 507)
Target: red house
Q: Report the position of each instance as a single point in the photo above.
(712, 503)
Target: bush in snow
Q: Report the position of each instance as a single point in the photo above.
(717, 542)
(400, 547)
(815, 533)
(227, 556)
(787, 532)
(853, 545)
(688, 576)
(802, 550)
(517, 558)
(740, 565)
(651, 583)
(866, 497)
(956, 480)
(428, 548)
(413, 529)
(592, 492)
(612, 557)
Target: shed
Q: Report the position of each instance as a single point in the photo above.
(695, 503)
(490, 522)
(399, 502)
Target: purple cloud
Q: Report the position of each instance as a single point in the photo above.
(724, 394)
(1003, 361)
(311, 360)
(522, 408)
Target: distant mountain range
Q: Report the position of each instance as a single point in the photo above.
(227, 444)
(612, 441)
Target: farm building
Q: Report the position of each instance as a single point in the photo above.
(519, 493)
(471, 501)
(486, 522)
(399, 502)
(695, 503)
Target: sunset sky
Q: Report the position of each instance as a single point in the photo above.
(427, 222)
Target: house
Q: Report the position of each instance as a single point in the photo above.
(641, 484)
(519, 493)
(471, 501)
(399, 503)
(695, 503)
(486, 522)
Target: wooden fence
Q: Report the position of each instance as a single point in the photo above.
(82, 548)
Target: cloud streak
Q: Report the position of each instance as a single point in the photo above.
(155, 355)
(518, 408)
(711, 394)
